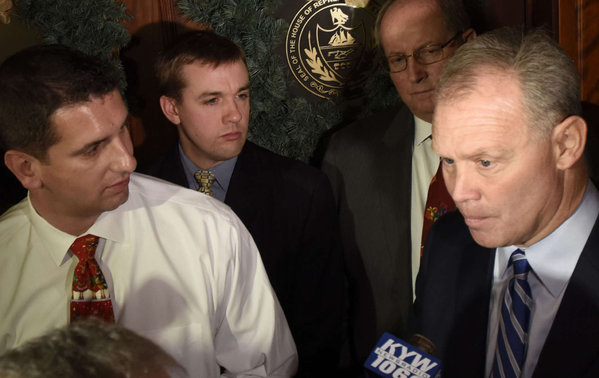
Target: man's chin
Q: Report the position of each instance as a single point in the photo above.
(485, 239)
(423, 112)
(117, 201)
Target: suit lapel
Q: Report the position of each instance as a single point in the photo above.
(572, 346)
(248, 182)
(171, 168)
(469, 336)
(393, 176)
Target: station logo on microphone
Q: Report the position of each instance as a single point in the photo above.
(393, 357)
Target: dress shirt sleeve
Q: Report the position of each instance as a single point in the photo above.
(253, 338)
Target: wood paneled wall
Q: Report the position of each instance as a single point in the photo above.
(579, 36)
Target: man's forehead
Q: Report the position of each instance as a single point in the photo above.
(83, 118)
(210, 66)
(194, 72)
(490, 109)
(114, 97)
(409, 7)
(412, 25)
(482, 81)
(423, 13)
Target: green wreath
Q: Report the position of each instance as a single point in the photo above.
(92, 26)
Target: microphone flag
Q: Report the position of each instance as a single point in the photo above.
(393, 357)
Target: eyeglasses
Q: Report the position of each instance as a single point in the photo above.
(428, 54)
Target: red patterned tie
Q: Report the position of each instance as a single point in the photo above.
(438, 202)
(90, 292)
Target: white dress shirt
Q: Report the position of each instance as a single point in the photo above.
(425, 163)
(182, 270)
(552, 261)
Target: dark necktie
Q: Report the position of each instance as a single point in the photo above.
(512, 334)
(438, 202)
(205, 178)
(90, 293)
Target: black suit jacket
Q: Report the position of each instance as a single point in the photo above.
(452, 306)
(288, 209)
(370, 166)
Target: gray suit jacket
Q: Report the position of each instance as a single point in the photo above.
(369, 164)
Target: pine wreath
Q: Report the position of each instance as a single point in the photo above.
(92, 26)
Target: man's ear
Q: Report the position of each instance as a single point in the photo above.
(569, 139)
(169, 108)
(469, 35)
(23, 166)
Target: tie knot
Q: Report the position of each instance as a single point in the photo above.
(520, 263)
(205, 178)
(84, 247)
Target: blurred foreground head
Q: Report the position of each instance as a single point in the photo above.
(91, 349)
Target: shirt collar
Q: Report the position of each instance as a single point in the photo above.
(422, 132)
(554, 258)
(222, 172)
(56, 242)
(110, 225)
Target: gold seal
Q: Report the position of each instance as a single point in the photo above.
(357, 3)
(330, 47)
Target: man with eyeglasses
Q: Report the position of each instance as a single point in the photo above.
(381, 167)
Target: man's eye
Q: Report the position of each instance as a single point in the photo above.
(92, 150)
(430, 50)
(397, 59)
(212, 100)
(448, 161)
(485, 163)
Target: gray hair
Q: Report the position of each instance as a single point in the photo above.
(546, 74)
(90, 348)
(454, 15)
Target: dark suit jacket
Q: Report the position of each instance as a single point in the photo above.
(370, 166)
(452, 306)
(289, 210)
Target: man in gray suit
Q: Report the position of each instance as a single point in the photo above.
(381, 167)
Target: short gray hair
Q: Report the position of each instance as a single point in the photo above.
(546, 74)
(454, 15)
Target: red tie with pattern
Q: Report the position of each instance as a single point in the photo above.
(90, 292)
(438, 202)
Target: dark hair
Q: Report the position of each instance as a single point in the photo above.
(37, 81)
(90, 348)
(201, 45)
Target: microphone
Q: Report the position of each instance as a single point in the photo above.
(395, 358)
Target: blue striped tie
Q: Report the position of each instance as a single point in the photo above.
(512, 336)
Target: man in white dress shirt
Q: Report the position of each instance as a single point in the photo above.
(180, 267)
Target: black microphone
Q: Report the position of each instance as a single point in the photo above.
(395, 358)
